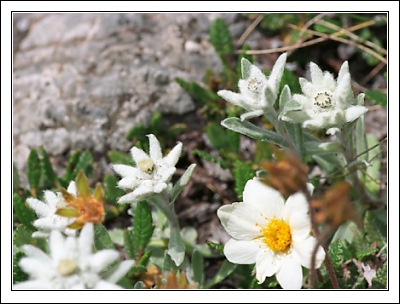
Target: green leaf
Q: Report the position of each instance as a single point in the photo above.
(198, 268)
(47, 176)
(16, 181)
(176, 247)
(211, 158)
(220, 38)
(250, 130)
(155, 122)
(291, 80)
(346, 232)
(249, 58)
(329, 162)
(372, 177)
(216, 246)
(111, 192)
(377, 97)
(101, 238)
(117, 157)
(242, 172)
(365, 252)
(181, 183)
(129, 246)
(138, 285)
(336, 250)
(380, 281)
(276, 21)
(23, 212)
(226, 269)
(33, 169)
(197, 92)
(263, 151)
(327, 30)
(142, 227)
(18, 274)
(137, 270)
(375, 224)
(144, 260)
(222, 139)
(22, 236)
(85, 164)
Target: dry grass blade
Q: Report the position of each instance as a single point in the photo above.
(251, 28)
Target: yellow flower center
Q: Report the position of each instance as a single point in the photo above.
(66, 267)
(323, 100)
(277, 235)
(254, 85)
(146, 165)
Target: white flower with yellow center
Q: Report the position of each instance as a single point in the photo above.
(270, 233)
(325, 102)
(48, 220)
(71, 264)
(151, 174)
(257, 92)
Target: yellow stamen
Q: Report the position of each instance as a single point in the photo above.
(66, 267)
(277, 235)
(146, 165)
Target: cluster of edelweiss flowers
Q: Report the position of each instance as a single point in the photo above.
(266, 231)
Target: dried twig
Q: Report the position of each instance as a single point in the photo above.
(251, 28)
(372, 74)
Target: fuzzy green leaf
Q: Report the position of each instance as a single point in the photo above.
(211, 158)
(377, 97)
(144, 260)
(181, 183)
(226, 269)
(138, 285)
(221, 38)
(216, 246)
(198, 267)
(142, 227)
(111, 192)
(253, 131)
(101, 238)
(336, 250)
(222, 139)
(176, 247)
(242, 172)
(47, 176)
(18, 274)
(33, 169)
(23, 212)
(117, 157)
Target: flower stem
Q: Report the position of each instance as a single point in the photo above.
(163, 204)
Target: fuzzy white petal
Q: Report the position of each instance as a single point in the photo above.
(36, 253)
(240, 221)
(344, 71)
(316, 74)
(173, 156)
(353, 112)
(72, 188)
(100, 260)
(138, 155)
(34, 284)
(155, 148)
(251, 114)
(40, 208)
(267, 200)
(232, 97)
(266, 265)
(241, 252)
(290, 275)
(121, 271)
(277, 71)
(35, 268)
(51, 198)
(85, 241)
(125, 171)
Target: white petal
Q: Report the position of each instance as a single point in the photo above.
(275, 77)
(52, 222)
(306, 102)
(101, 259)
(353, 112)
(138, 155)
(56, 244)
(344, 71)
(317, 122)
(241, 221)
(135, 195)
(295, 204)
(40, 234)
(155, 148)
(233, 98)
(85, 241)
(317, 76)
(51, 198)
(129, 182)
(36, 268)
(40, 208)
(121, 271)
(164, 172)
(241, 252)
(34, 284)
(290, 275)
(328, 83)
(304, 250)
(343, 94)
(173, 156)
(332, 131)
(72, 188)
(125, 171)
(251, 114)
(266, 265)
(36, 253)
(267, 200)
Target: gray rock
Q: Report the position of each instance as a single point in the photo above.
(81, 80)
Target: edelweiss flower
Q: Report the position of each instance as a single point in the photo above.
(151, 174)
(257, 92)
(46, 211)
(326, 103)
(270, 233)
(70, 264)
